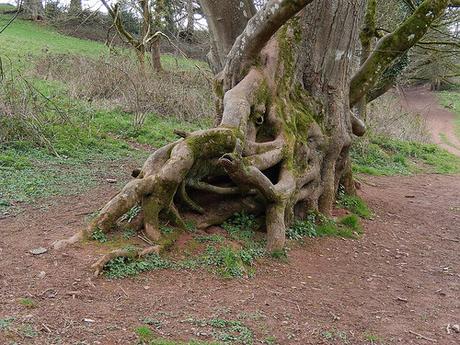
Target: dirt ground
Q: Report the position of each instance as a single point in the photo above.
(403, 275)
(398, 282)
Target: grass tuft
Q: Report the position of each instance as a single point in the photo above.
(355, 205)
(384, 156)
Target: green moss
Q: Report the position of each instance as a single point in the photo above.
(212, 143)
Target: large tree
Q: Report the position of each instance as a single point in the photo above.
(285, 84)
(33, 10)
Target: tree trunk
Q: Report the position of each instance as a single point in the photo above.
(281, 146)
(190, 19)
(226, 21)
(33, 10)
(75, 7)
(155, 52)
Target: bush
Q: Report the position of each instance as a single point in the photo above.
(387, 118)
(115, 81)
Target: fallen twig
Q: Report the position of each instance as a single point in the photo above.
(423, 337)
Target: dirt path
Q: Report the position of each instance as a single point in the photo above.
(403, 276)
(440, 121)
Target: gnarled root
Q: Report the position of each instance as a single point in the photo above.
(268, 155)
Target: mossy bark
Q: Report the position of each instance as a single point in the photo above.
(285, 128)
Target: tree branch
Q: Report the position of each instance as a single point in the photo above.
(394, 45)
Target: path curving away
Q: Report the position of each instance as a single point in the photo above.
(440, 121)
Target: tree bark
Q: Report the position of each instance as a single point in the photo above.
(33, 10)
(281, 147)
(75, 7)
(226, 21)
(189, 8)
(155, 52)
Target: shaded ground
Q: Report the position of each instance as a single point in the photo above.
(402, 276)
(440, 121)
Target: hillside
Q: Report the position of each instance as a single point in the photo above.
(62, 128)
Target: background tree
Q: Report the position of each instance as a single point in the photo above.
(33, 10)
(285, 85)
(148, 39)
(75, 7)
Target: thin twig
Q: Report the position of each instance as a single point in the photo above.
(145, 239)
(12, 18)
(423, 337)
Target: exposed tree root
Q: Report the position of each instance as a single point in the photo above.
(269, 155)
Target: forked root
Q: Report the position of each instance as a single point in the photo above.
(133, 253)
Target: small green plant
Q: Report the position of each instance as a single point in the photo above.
(144, 333)
(355, 205)
(190, 226)
(99, 236)
(28, 303)
(270, 340)
(128, 233)
(27, 331)
(241, 226)
(131, 214)
(5, 323)
(229, 262)
(152, 322)
(303, 228)
(334, 335)
(214, 238)
(123, 267)
(166, 230)
(163, 341)
(372, 338)
(227, 331)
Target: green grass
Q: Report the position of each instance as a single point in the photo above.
(24, 40)
(384, 156)
(82, 140)
(218, 255)
(28, 303)
(147, 337)
(317, 225)
(451, 100)
(355, 205)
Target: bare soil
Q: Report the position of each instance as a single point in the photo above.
(403, 275)
(440, 121)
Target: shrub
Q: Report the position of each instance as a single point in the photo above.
(115, 81)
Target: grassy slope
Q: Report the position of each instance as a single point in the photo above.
(384, 156)
(88, 141)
